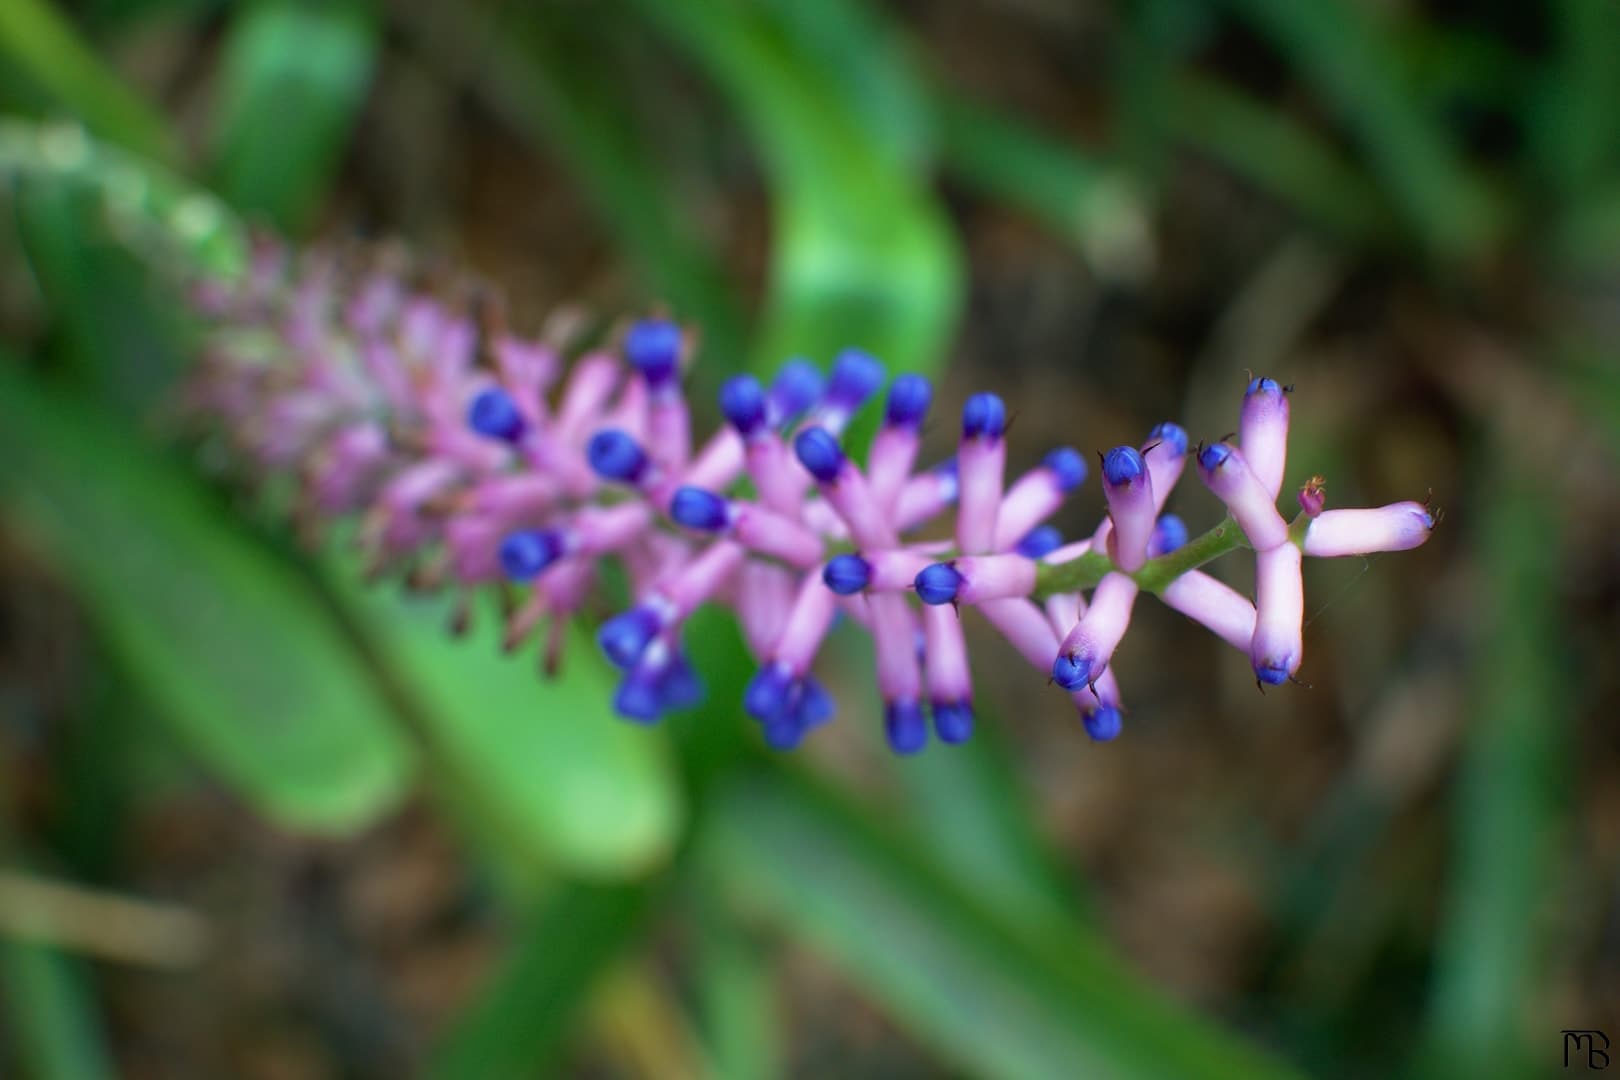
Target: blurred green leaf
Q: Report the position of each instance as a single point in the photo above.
(37, 40)
(1340, 48)
(1512, 798)
(1574, 124)
(736, 993)
(293, 80)
(995, 998)
(228, 640)
(516, 1025)
(862, 254)
(50, 1014)
(546, 762)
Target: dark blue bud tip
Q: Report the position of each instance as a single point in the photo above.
(1040, 542)
(1071, 672)
(767, 694)
(524, 555)
(847, 574)
(742, 400)
(953, 721)
(1123, 465)
(680, 687)
(815, 706)
(1172, 435)
(614, 455)
(493, 413)
(626, 636)
(797, 386)
(855, 377)
(1263, 385)
(653, 346)
(700, 509)
(984, 414)
(818, 452)
(1169, 533)
(909, 398)
(906, 727)
(938, 584)
(1270, 674)
(1067, 466)
(784, 731)
(1103, 723)
(1213, 456)
(637, 698)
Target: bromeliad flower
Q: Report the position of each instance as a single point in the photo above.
(473, 460)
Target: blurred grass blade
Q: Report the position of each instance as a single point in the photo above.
(546, 762)
(517, 1024)
(293, 80)
(1574, 126)
(1280, 157)
(37, 41)
(1339, 47)
(228, 641)
(737, 996)
(50, 1013)
(1081, 198)
(861, 253)
(994, 999)
(1512, 799)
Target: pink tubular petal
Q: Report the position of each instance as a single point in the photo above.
(1214, 604)
(1263, 431)
(669, 429)
(894, 637)
(1023, 624)
(993, 577)
(807, 624)
(763, 599)
(889, 462)
(719, 463)
(1097, 634)
(1278, 644)
(949, 678)
(1132, 509)
(981, 463)
(694, 582)
(777, 536)
(1032, 499)
(1227, 474)
(924, 496)
(1396, 527)
(777, 477)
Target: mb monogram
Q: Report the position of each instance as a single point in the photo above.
(1585, 1047)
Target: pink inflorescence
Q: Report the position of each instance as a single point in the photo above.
(472, 457)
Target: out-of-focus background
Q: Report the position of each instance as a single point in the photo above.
(258, 820)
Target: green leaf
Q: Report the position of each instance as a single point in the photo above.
(294, 79)
(516, 1025)
(227, 640)
(994, 998)
(50, 1014)
(546, 762)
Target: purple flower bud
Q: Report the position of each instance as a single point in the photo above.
(937, 584)
(855, 377)
(797, 386)
(909, 398)
(984, 416)
(1263, 429)
(614, 455)
(1067, 466)
(743, 402)
(1129, 490)
(1225, 471)
(820, 454)
(681, 688)
(905, 726)
(953, 721)
(1169, 534)
(701, 510)
(625, 636)
(1103, 723)
(1086, 650)
(1313, 497)
(653, 347)
(1040, 542)
(847, 574)
(1123, 465)
(525, 555)
(493, 413)
(637, 697)
(767, 692)
(1279, 602)
(1171, 435)
(1397, 527)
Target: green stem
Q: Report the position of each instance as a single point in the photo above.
(1084, 571)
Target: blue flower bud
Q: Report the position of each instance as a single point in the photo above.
(638, 699)
(1169, 533)
(847, 574)
(653, 346)
(614, 455)
(680, 687)
(1172, 435)
(767, 694)
(984, 414)
(1067, 466)
(953, 721)
(493, 413)
(524, 555)
(818, 452)
(699, 509)
(938, 584)
(909, 398)
(1263, 385)
(905, 726)
(626, 636)
(742, 400)
(1122, 465)
(816, 706)
(1213, 456)
(1103, 724)
(784, 731)
(855, 377)
(1270, 674)
(797, 386)
(1071, 672)
(1040, 542)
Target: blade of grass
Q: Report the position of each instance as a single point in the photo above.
(51, 1014)
(230, 641)
(994, 998)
